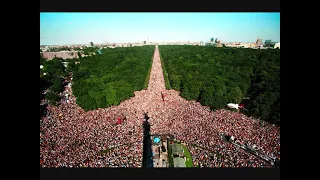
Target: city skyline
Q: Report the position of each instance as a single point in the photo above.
(82, 28)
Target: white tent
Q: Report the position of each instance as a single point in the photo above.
(232, 105)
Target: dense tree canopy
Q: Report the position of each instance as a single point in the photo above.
(42, 60)
(72, 66)
(217, 76)
(54, 67)
(53, 98)
(89, 50)
(53, 80)
(107, 79)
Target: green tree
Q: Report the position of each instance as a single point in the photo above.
(112, 76)
(55, 67)
(175, 81)
(79, 55)
(86, 102)
(42, 60)
(206, 96)
(224, 75)
(57, 86)
(52, 98)
(71, 67)
(111, 96)
(235, 95)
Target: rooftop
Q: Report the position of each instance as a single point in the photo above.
(179, 162)
(177, 149)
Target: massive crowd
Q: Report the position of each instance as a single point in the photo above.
(71, 137)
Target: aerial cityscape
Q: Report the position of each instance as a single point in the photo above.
(160, 90)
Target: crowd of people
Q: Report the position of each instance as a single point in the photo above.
(71, 137)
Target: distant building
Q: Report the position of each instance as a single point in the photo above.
(259, 42)
(267, 43)
(61, 54)
(277, 45)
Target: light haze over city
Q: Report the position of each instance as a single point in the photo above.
(82, 28)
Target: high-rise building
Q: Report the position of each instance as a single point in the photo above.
(267, 43)
(259, 42)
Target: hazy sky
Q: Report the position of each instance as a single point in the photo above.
(82, 28)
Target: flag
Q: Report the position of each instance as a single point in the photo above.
(119, 121)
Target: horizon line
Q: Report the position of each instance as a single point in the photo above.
(152, 42)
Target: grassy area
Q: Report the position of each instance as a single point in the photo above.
(188, 156)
